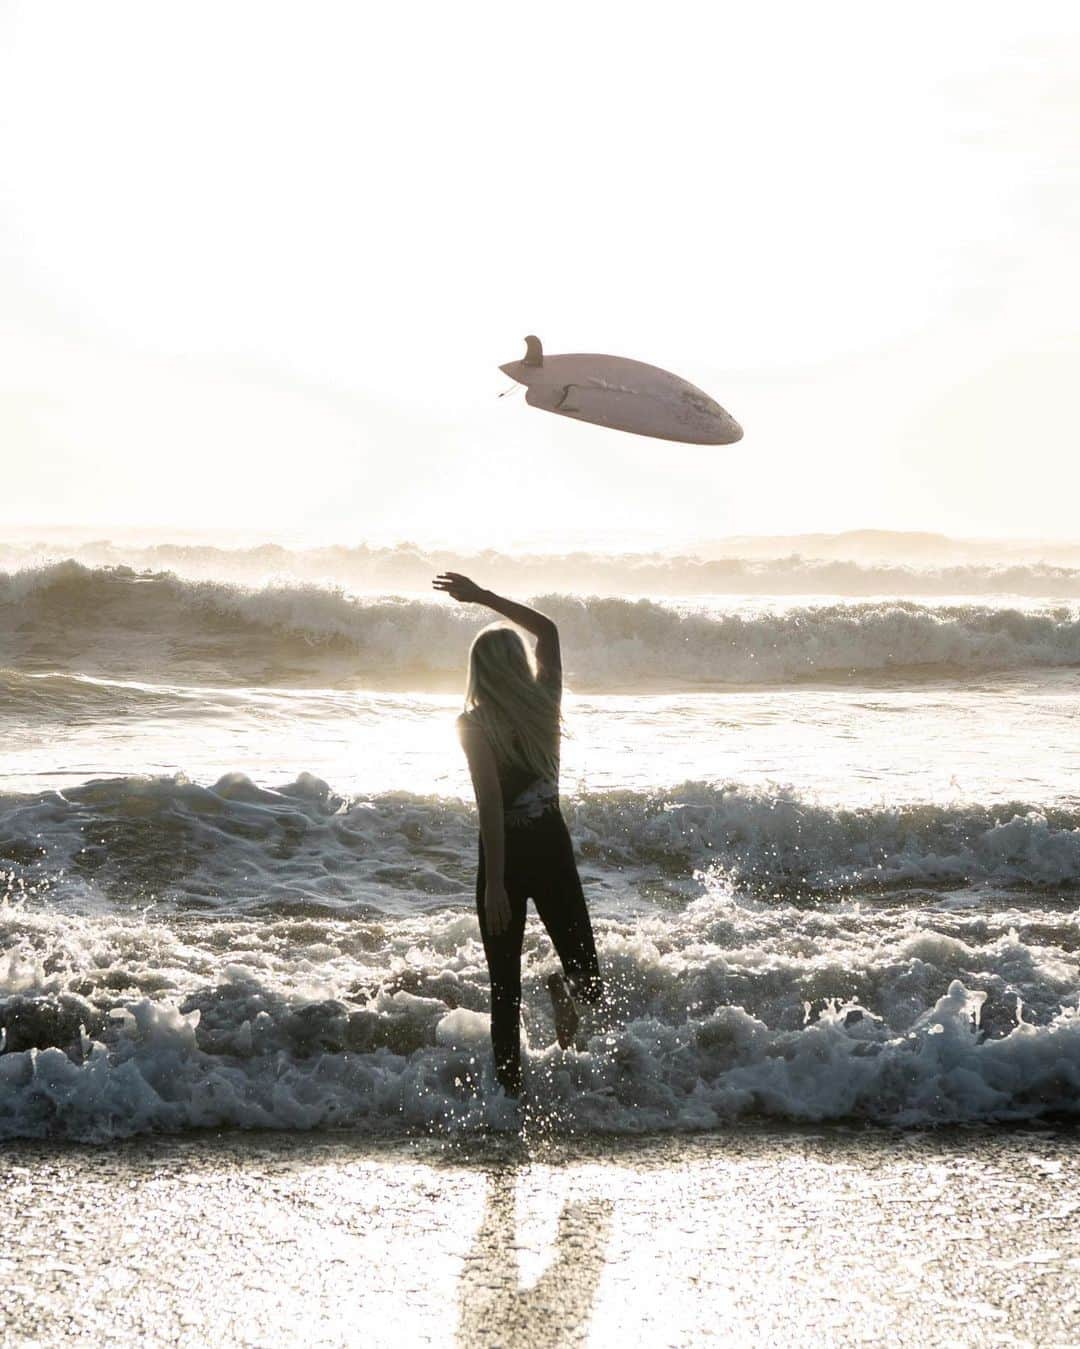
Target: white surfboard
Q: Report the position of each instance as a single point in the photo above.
(622, 394)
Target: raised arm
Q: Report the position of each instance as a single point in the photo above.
(548, 655)
(489, 806)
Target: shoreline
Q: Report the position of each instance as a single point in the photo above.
(838, 1235)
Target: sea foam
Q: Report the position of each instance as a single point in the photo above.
(114, 1025)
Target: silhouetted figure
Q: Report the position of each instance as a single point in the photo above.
(510, 731)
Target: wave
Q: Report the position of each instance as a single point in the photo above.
(178, 956)
(39, 699)
(235, 846)
(112, 1027)
(125, 624)
(790, 571)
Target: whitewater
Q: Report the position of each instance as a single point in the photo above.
(826, 813)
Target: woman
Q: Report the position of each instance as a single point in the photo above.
(510, 733)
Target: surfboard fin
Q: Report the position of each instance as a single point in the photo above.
(534, 352)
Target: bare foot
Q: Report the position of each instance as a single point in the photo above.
(566, 1014)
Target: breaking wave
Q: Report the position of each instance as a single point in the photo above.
(113, 1026)
(235, 846)
(127, 624)
(177, 956)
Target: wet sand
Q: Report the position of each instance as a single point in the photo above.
(767, 1237)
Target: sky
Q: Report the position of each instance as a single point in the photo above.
(259, 263)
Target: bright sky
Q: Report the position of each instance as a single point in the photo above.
(259, 263)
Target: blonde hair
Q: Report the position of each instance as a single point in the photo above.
(503, 696)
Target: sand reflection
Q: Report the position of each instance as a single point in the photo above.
(496, 1310)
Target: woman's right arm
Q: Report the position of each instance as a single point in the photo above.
(489, 806)
(548, 655)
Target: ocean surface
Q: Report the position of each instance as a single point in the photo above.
(827, 815)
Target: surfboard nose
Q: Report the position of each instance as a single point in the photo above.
(516, 370)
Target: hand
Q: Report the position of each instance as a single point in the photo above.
(496, 908)
(459, 587)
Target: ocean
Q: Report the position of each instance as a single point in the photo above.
(826, 813)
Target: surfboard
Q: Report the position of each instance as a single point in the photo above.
(622, 394)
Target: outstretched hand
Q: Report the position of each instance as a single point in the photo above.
(459, 587)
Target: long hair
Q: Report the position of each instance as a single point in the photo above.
(503, 696)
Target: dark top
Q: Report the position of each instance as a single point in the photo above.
(515, 780)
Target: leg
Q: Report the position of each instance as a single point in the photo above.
(563, 1010)
(560, 902)
(503, 952)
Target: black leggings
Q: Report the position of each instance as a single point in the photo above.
(539, 865)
